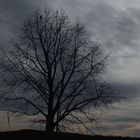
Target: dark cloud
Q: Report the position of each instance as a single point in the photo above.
(128, 91)
(13, 13)
(114, 24)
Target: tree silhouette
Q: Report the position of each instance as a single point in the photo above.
(54, 70)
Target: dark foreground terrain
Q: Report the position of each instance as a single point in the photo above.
(40, 135)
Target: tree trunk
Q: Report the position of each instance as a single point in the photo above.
(49, 130)
(49, 126)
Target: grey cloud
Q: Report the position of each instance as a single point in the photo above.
(119, 32)
(135, 133)
(127, 31)
(115, 28)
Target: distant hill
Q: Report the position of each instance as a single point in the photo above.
(40, 135)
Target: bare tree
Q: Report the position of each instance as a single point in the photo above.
(54, 70)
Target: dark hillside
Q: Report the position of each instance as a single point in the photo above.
(40, 135)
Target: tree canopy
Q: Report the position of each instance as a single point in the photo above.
(54, 70)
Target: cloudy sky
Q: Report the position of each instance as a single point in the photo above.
(116, 25)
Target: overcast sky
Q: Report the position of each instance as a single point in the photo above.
(116, 25)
